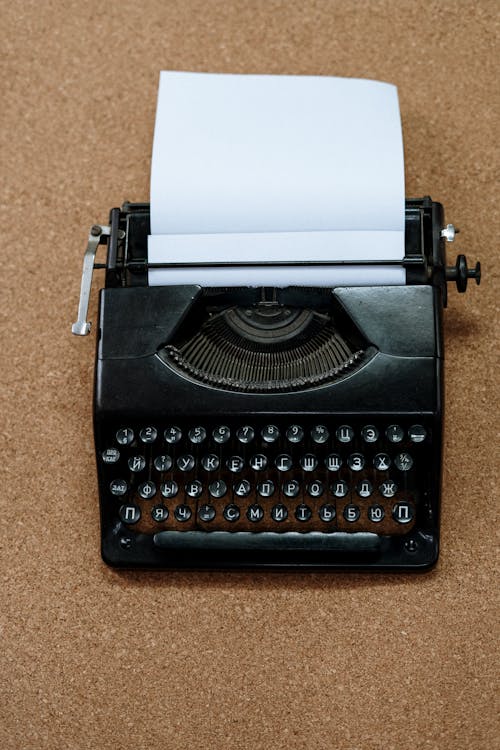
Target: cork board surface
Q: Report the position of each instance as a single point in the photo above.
(93, 658)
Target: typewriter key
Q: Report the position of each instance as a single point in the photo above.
(417, 433)
(344, 433)
(210, 462)
(231, 512)
(295, 433)
(148, 434)
(183, 513)
(118, 487)
(351, 513)
(283, 462)
(235, 464)
(159, 513)
(172, 434)
(356, 461)
(221, 434)
(291, 488)
(364, 488)
(258, 462)
(147, 490)
(197, 435)
(125, 436)
(320, 434)
(303, 512)
(327, 512)
(245, 434)
(266, 489)
(270, 433)
(206, 513)
(333, 462)
(255, 513)
(169, 489)
(129, 514)
(163, 463)
(279, 512)
(110, 456)
(369, 433)
(395, 433)
(388, 488)
(403, 461)
(309, 462)
(376, 513)
(340, 488)
(194, 489)
(402, 513)
(381, 462)
(242, 489)
(186, 462)
(217, 488)
(315, 489)
(136, 463)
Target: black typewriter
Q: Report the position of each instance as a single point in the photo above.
(269, 427)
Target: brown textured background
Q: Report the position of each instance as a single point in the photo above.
(92, 658)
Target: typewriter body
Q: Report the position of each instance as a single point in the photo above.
(269, 427)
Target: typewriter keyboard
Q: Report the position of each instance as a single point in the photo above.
(265, 476)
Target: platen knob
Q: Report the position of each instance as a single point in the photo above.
(460, 273)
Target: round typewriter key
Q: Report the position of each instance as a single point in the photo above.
(148, 434)
(309, 462)
(159, 513)
(255, 513)
(417, 433)
(129, 514)
(402, 513)
(197, 435)
(183, 513)
(258, 462)
(340, 488)
(235, 464)
(381, 462)
(110, 456)
(147, 490)
(369, 433)
(210, 462)
(186, 462)
(320, 434)
(351, 513)
(118, 487)
(283, 462)
(376, 513)
(364, 488)
(333, 462)
(266, 488)
(388, 488)
(315, 489)
(217, 488)
(395, 433)
(295, 433)
(231, 512)
(221, 434)
(403, 461)
(270, 433)
(242, 489)
(344, 433)
(194, 489)
(303, 512)
(245, 434)
(169, 489)
(279, 512)
(356, 461)
(163, 463)
(327, 512)
(136, 463)
(206, 513)
(291, 488)
(125, 436)
(172, 434)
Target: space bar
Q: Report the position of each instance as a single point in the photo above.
(227, 541)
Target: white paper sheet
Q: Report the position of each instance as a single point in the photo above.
(283, 168)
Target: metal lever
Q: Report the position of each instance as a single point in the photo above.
(82, 326)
